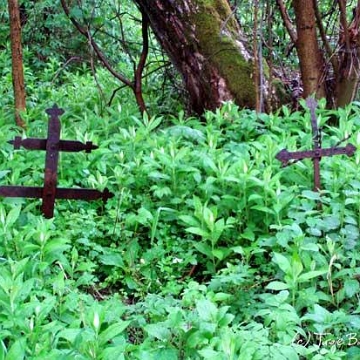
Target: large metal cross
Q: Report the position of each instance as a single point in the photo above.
(52, 145)
(287, 157)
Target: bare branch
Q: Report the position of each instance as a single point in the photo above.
(330, 52)
(67, 62)
(141, 65)
(287, 21)
(93, 70)
(95, 47)
(344, 25)
(136, 84)
(148, 73)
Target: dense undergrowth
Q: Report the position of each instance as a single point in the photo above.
(209, 249)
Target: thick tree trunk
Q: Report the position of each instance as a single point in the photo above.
(311, 62)
(204, 42)
(17, 63)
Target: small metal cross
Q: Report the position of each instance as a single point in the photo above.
(317, 153)
(52, 145)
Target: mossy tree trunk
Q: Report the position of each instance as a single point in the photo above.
(205, 43)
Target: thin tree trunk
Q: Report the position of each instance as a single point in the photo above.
(311, 62)
(347, 76)
(205, 43)
(17, 61)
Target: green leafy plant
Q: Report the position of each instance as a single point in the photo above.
(209, 249)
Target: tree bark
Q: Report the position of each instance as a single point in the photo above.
(17, 61)
(311, 62)
(204, 41)
(347, 76)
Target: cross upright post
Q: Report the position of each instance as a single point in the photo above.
(312, 104)
(51, 161)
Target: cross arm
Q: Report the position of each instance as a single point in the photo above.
(64, 145)
(286, 156)
(60, 193)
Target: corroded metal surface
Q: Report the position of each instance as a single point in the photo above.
(288, 157)
(52, 145)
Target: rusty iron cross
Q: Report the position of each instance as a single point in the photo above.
(52, 145)
(288, 158)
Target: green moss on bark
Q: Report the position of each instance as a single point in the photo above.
(218, 45)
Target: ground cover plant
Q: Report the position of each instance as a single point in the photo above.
(209, 249)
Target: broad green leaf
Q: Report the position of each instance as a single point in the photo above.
(226, 251)
(278, 299)
(209, 218)
(349, 201)
(158, 331)
(219, 254)
(164, 354)
(161, 191)
(113, 331)
(314, 231)
(198, 231)
(206, 309)
(351, 287)
(76, 12)
(153, 123)
(112, 259)
(69, 334)
(320, 314)
(113, 353)
(210, 354)
(311, 274)
(4, 173)
(288, 352)
(238, 250)
(2, 215)
(198, 207)
(220, 226)
(248, 234)
(19, 267)
(57, 245)
(331, 222)
(157, 175)
(24, 289)
(297, 266)
(283, 263)
(144, 216)
(310, 247)
(17, 350)
(312, 195)
(255, 197)
(209, 163)
(13, 215)
(263, 209)
(204, 249)
(189, 220)
(6, 282)
(277, 285)
(353, 352)
(220, 296)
